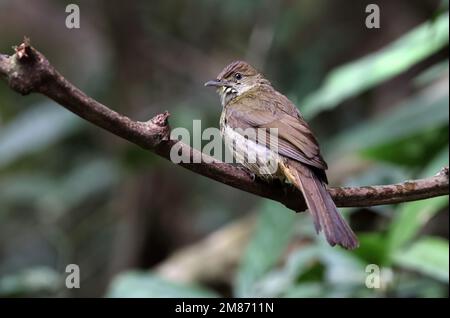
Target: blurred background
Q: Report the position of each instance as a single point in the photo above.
(139, 226)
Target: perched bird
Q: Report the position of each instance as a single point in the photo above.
(250, 102)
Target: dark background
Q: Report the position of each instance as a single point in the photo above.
(140, 226)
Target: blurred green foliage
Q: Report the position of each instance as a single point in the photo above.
(19, 138)
(38, 281)
(72, 194)
(356, 77)
(274, 231)
(135, 284)
(413, 134)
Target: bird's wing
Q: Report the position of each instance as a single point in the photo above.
(295, 139)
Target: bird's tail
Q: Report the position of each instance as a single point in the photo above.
(320, 204)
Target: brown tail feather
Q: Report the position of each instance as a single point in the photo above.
(321, 206)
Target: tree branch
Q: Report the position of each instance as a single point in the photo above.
(29, 71)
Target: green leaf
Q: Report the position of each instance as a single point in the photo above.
(410, 218)
(372, 248)
(273, 232)
(440, 160)
(423, 112)
(25, 187)
(429, 256)
(356, 77)
(306, 290)
(432, 73)
(341, 267)
(87, 180)
(34, 130)
(32, 281)
(53, 196)
(413, 151)
(412, 286)
(276, 282)
(148, 285)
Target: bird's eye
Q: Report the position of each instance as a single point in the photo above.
(238, 76)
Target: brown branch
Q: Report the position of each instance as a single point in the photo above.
(29, 71)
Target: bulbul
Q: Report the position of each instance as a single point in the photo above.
(250, 102)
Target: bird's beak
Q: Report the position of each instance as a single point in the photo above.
(215, 83)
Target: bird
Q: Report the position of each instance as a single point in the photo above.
(251, 103)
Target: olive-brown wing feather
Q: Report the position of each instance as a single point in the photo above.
(295, 139)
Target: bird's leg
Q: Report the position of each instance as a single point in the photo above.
(284, 184)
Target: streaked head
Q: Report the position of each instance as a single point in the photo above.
(235, 79)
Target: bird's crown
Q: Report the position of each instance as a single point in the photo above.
(237, 67)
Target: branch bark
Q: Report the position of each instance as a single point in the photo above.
(28, 71)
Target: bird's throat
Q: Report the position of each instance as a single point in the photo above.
(227, 94)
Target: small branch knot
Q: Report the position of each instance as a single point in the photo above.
(22, 51)
(161, 119)
(158, 126)
(26, 70)
(443, 172)
(25, 54)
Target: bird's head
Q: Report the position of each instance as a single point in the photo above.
(236, 79)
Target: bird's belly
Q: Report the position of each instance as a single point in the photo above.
(258, 158)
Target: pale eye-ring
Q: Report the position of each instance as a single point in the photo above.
(238, 76)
